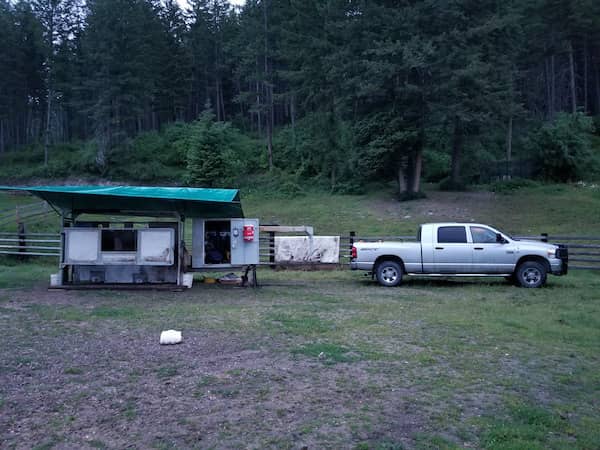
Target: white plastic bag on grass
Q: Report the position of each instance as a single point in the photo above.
(170, 337)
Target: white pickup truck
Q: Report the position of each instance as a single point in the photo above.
(461, 249)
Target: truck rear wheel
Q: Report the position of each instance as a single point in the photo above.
(389, 273)
(531, 274)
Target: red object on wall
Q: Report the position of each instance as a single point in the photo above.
(248, 233)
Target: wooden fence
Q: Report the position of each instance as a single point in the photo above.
(24, 214)
(584, 251)
(30, 244)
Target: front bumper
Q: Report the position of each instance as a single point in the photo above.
(560, 264)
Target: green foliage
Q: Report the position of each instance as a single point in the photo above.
(563, 148)
(151, 156)
(436, 165)
(319, 149)
(274, 184)
(350, 92)
(508, 187)
(215, 152)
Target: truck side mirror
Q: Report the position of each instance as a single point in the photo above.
(500, 239)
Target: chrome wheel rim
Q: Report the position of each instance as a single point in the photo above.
(532, 275)
(389, 275)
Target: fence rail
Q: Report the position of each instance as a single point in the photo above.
(24, 213)
(30, 244)
(584, 251)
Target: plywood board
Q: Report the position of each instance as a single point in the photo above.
(321, 249)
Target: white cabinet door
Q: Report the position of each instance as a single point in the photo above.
(156, 246)
(244, 251)
(82, 245)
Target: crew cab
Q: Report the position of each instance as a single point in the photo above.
(461, 249)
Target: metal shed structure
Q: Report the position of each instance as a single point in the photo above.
(145, 244)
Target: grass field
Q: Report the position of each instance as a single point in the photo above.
(316, 359)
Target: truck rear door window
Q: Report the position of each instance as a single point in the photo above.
(452, 235)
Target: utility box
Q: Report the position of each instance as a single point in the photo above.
(220, 243)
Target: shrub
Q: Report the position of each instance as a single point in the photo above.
(217, 154)
(563, 148)
(510, 186)
(436, 165)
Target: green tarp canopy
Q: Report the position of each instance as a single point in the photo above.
(139, 200)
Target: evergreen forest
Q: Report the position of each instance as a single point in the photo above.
(340, 95)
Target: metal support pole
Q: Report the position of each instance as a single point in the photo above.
(180, 247)
(22, 240)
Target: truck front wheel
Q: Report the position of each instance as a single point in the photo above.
(531, 274)
(389, 273)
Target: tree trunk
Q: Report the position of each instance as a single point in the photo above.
(223, 117)
(333, 178)
(552, 88)
(402, 184)
(572, 79)
(597, 88)
(548, 89)
(457, 144)
(509, 140)
(48, 125)
(585, 76)
(258, 111)
(417, 167)
(293, 118)
(49, 91)
(268, 88)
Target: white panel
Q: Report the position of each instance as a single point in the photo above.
(251, 249)
(118, 258)
(197, 243)
(237, 241)
(82, 245)
(322, 249)
(155, 247)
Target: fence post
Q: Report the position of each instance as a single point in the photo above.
(351, 240)
(272, 249)
(22, 242)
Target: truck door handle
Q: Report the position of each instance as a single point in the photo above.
(439, 248)
(478, 248)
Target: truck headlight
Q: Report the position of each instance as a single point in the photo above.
(552, 253)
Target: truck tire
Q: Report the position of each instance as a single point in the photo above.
(389, 273)
(531, 274)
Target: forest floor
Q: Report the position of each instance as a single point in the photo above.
(315, 359)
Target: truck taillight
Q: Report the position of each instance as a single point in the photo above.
(354, 253)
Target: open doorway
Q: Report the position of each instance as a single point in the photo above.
(217, 242)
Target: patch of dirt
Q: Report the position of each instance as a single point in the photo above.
(72, 385)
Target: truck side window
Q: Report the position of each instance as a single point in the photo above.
(483, 235)
(452, 235)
